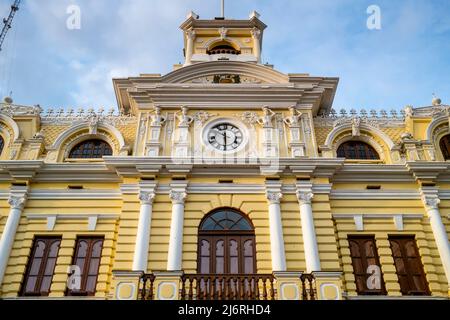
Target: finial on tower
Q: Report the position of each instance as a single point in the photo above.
(436, 101)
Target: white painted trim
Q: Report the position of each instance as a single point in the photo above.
(85, 194)
(70, 216)
(12, 125)
(359, 222)
(378, 216)
(53, 218)
(433, 125)
(72, 130)
(398, 222)
(375, 194)
(330, 140)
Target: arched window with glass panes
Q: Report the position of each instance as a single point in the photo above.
(357, 150)
(444, 144)
(91, 149)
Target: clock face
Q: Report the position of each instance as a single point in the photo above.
(225, 137)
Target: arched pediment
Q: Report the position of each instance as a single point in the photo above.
(206, 71)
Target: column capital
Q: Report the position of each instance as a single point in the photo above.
(274, 196)
(430, 198)
(190, 34)
(17, 202)
(177, 197)
(304, 197)
(147, 197)
(256, 33)
(431, 202)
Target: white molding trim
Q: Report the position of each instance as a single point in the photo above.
(397, 218)
(85, 194)
(375, 194)
(12, 125)
(92, 219)
(331, 138)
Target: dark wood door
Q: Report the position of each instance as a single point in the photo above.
(408, 264)
(226, 254)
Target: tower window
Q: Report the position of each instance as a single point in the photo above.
(223, 49)
(357, 150)
(90, 149)
(445, 147)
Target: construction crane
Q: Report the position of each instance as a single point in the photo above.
(8, 21)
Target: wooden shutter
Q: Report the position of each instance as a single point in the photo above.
(41, 266)
(408, 264)
(88, 253)
(364, 253)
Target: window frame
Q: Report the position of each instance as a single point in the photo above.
(360, 239)
(87, 263)
(49, 240)
(105, 146)
(343, 150)
(407, 266)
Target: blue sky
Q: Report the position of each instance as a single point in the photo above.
(403, 63)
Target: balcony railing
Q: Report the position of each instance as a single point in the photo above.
(228, 287)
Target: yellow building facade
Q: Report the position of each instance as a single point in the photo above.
(224, 179)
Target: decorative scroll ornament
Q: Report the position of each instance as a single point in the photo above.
(274, 197)
(249, 117)
(304, 197)
(17, 202)
(146, 197)
(202, 116)
(177, 197)
(16, 110)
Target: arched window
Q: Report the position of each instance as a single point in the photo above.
(2, 144)
(226, 243)
(90, 149)
(357, 150)
(223, 49)
(224, 220)
(445, 147)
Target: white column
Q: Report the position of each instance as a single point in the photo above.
(276, 231)
(174, 258)
(190, 37)
(9, 232)
(256, 35)
(140, 259)
(308, 231)
(440, 234)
